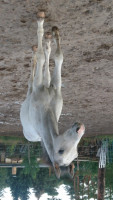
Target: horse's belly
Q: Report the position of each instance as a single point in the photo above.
(30, 134)
(29, 131)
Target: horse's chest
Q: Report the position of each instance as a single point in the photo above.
(43, 97)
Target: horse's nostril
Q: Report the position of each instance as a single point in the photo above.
(77, 129)
(61, 151)
(77, 126)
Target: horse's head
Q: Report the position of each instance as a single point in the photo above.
(62, 148)
(65, 145)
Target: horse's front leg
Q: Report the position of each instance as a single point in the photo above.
(58, 58)
(56, 78)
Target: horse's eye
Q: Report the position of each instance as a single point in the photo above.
(61, 151)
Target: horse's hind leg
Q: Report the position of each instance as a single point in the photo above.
(47, 50)
(33, 70)
(38, 78)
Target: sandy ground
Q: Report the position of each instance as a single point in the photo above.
(86, 28)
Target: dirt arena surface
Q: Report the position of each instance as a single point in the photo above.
(86, 29)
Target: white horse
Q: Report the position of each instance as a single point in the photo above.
(42, 107)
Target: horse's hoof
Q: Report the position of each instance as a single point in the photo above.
(55, 31)
(34, 48)
(48, 35)
(41, 15)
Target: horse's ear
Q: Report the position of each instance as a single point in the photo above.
(57, 170)
(71, 169)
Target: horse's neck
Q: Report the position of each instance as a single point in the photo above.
(50, 132)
